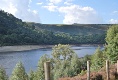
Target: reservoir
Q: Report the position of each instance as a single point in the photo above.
(30, 58)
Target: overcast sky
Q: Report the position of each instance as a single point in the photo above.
(63, 11)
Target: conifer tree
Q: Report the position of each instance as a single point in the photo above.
(32, 75)
(40, 70)
(3, 75)
(97, 59)
(112, 43)
(19, 73)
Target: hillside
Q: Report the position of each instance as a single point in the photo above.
(74, 29)
(14, 31)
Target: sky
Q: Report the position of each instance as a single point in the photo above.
(63, 11)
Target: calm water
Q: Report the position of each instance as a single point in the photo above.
(30, 58)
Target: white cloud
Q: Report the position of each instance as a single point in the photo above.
(39, 3)
(67, 3)
(69, 0)
(35, 12)
(8, 6)
(55, 1)
(51, 7)
(113, 21)
(78, 14)
(20, 9)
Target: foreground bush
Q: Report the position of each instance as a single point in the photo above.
(3, 75)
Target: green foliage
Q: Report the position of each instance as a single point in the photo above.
(112, 43)
(32, 75)
(15, 32)
(65, 62)
(3, 75)
(62, 52)
(97, 60)
(40, 71)
(75, 65)
(81, 29)
(19, 73)
(83, 72)
(83, 62)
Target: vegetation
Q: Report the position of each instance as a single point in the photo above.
(64, 61)
(110, 53)
(19, 73)
(40, 70)
(73, 29)
(32, 75)
(97, 60)
(3, 75)
(15, 32)
(112, 44)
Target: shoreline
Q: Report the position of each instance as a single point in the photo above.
(19, 48)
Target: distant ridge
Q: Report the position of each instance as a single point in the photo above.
(14, 31)
(74, 28)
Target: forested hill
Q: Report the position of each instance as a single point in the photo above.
(14, 31)
(74, 28)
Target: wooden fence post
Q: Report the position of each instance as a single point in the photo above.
(117, 66)
(47, 70)
(107, 69)
(88, 70)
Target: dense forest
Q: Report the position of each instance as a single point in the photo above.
(14, 31)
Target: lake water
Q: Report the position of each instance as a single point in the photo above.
(30, 58)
